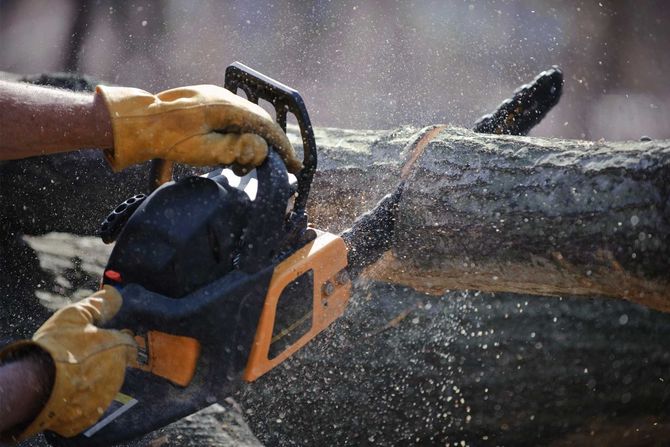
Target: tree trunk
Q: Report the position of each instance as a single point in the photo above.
(500, 213)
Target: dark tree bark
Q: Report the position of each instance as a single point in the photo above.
(403, 368)
(78, 31)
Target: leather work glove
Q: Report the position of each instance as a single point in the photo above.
(201, 125)
(90, 363)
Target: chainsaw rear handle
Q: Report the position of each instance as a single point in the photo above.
(285, 100)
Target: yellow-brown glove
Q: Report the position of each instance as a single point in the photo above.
(200, 125)
(90, 363)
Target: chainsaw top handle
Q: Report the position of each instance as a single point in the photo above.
(285, 100)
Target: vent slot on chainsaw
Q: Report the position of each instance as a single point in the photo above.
(293, 317)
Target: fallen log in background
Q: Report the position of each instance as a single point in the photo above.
(501, 213)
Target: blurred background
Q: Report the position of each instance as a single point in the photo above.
(371, 64)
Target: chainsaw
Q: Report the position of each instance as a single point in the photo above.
(222, 277)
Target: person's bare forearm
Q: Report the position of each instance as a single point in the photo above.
(38, 120)
(25, 385)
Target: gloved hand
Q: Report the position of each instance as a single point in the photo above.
(199, 125)
(90, 363)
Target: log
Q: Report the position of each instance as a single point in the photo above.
(472, 368)
(502, 213)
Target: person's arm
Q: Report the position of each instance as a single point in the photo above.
(25, 385)
(40, 120)
(201, 125)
